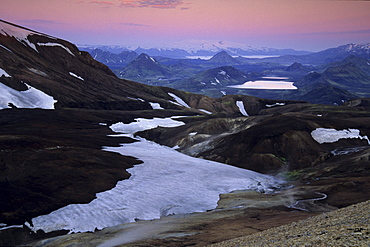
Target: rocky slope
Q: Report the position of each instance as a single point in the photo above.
(344, 227)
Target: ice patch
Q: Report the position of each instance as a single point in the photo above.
(242, 110)
(56, 44)
(31, 98)
(78, 77)
(179, 101)
(323, 135)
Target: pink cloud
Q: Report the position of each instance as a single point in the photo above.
(102, 2)
(161, 4)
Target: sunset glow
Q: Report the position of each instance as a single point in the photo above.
(300, 24)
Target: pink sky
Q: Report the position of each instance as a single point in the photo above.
(300, 24)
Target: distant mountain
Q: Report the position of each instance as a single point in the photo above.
(348, 76)
(326, 56)
(296, 67)
(337, 84)
(144, 67)
(108, 58)
(205, 47)
(361, 63)
(217, 78)
(360, 50)
(198, 48)
(223, 58)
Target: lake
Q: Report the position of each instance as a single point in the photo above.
(268, 83)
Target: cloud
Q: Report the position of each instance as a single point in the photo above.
(161, 4)
(102, 2)
(365, 31)
(134, 24)
(40, 21)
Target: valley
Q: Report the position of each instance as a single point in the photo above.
(173, 156)
(330, 72)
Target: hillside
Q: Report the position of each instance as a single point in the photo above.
(84, 151)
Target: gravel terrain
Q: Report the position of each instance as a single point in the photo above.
(343, 227)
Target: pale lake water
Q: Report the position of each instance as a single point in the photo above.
(268, 83)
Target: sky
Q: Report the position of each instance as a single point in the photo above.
(310, 25)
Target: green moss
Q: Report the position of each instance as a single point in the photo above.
(227, 103)
(292, 175)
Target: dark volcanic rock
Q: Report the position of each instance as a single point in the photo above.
(267, 143)
(49, 159)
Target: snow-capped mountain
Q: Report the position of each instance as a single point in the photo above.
(190, 48)
(233, 48)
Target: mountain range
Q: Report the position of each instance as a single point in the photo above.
(197, 48)
(60, 109)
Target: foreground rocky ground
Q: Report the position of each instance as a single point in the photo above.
(349, 226)
(244, 213)
(53, 158)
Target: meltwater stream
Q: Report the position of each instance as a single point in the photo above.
(167, 182)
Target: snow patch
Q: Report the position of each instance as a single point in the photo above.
(78, 77)
(141, 124)
(9, 227)
(205, 111)
(179, 101)
(58, 45)
(38, 72)
(242, 110)
(3, 73)
(31, 98)
(139, 99)
(193, 133)
(324, 135)
(276, 104)
(6, 48)
(18, 33)
(156, 106)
